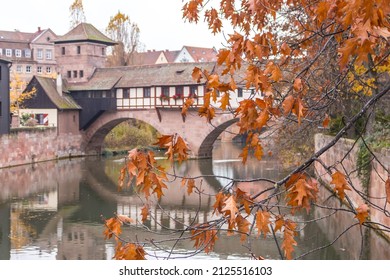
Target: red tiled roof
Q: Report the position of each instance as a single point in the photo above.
(202, 54)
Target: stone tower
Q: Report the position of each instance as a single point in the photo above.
(80, 51)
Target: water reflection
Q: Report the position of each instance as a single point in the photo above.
(53, 210)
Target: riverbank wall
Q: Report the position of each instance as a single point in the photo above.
(336, 157)
(25, 146)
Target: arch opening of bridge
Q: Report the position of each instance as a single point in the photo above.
(197, 132)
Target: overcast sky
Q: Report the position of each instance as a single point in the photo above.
(160, 21)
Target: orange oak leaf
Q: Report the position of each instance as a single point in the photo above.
(190, 186)
(340, 182)
(279, 223)
(244, 199)
(362, 213)
(224, 101)
(197, 74)
(230, 208)
(207, 112)
(326, 121)
(288, 104)
(144, 213)
(301, 194)
(297, 84)
(181, 149)
(219, 202)
(243, 227)
(387, 187)
(244, 154)
(187, 104)
(130, 251)
(113, 228)
(204, 237)
(262, 222)
(288, 238)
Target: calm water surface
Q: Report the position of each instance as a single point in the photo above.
(53, 210)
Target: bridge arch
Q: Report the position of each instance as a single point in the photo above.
(199, 134)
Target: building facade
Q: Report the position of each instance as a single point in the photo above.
(80, 51)
(4, 96)
(30, 53)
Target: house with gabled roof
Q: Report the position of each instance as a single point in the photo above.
(52, 105)
(30, 53)
(196, 54)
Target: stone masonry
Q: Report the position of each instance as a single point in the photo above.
(378, 176)
(29, 146)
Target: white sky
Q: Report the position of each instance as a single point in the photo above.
(160, 21)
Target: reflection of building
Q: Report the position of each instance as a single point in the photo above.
(81, 242)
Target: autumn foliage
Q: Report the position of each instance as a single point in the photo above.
(296, 56)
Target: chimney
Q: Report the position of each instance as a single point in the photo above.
(59, 84)
(39, 29)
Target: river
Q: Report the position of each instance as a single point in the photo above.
(53, 210)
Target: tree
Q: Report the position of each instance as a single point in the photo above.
(17, 96)
(126, 34)
(77, 14)
(331, 51)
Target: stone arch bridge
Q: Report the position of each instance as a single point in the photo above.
(199, 134)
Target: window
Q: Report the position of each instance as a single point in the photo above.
(126, 93)
(19, 68)
(39, 69)
(18, 53)
(146, 92)
(49, 54)
(103, 51)
(81, 73)
(28, 69)
(63, 50)
(1, 51)
(75, 74)
(8, 52)
(69, 74)
(27, 53)
(39, 54)
(165, 92)
(78, 49)
(193, 91)
(239, 92)
(48, 69)
(178, 93)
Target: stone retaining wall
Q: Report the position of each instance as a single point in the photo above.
(378, 176)
(35, 145)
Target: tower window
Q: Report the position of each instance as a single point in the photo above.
(78, 49)
(63, 50)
